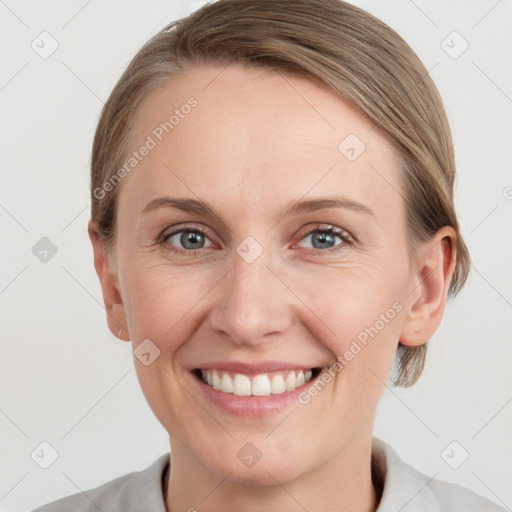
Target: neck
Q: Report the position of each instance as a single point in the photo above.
(343, 483)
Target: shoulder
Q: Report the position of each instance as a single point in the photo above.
(140, 490)
(407, 489)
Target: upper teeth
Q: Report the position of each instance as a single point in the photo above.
(260, 385)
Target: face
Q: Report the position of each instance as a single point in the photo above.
(285, 253)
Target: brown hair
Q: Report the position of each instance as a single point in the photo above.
(359, 57)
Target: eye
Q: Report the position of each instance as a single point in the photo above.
(190, 239)
(186, 239)
(323, 238)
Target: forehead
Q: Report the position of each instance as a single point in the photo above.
(248, 137)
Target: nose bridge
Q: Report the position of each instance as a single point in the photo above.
(254, 302)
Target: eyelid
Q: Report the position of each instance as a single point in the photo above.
(319, 226)
(174, 230)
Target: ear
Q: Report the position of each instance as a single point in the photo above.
(116, 316)
(431, 280)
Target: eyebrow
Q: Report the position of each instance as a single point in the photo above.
(294, 208)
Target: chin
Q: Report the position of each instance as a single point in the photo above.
(256, 463)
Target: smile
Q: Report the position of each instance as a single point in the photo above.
(262, 384)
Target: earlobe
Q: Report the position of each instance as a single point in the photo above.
(116, 316)
(430, 290)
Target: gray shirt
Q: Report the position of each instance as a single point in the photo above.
(405, 489)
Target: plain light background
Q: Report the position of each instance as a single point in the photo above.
(67, 381)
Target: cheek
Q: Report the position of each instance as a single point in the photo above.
(353, 306)
(160, 301)
(161, 307)
(361, 318)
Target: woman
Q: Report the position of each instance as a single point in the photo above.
(273, 225)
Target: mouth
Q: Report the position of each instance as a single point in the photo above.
(261, 384)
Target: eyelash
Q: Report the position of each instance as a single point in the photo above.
(320, 228)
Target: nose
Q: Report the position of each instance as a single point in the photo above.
(253, 305)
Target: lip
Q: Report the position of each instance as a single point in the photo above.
(252, 368)
(250, 406)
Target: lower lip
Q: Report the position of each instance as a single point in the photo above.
(251, 406)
